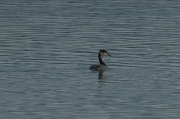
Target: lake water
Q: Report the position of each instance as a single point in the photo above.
(47, 46)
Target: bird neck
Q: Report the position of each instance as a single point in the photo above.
(101, 60)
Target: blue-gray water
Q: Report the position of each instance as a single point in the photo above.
(47, 46)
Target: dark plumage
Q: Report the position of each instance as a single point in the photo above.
(102, 65)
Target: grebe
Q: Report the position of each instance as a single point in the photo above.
(102, 65)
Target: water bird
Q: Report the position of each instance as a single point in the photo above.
(102, 65)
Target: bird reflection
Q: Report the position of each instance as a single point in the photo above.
(101, 74)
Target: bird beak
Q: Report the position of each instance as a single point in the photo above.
(110, 55)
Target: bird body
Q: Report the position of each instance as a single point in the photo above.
(98, 67)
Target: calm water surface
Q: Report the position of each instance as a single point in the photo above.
(46, 48)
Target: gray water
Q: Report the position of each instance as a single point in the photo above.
(47, 46)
